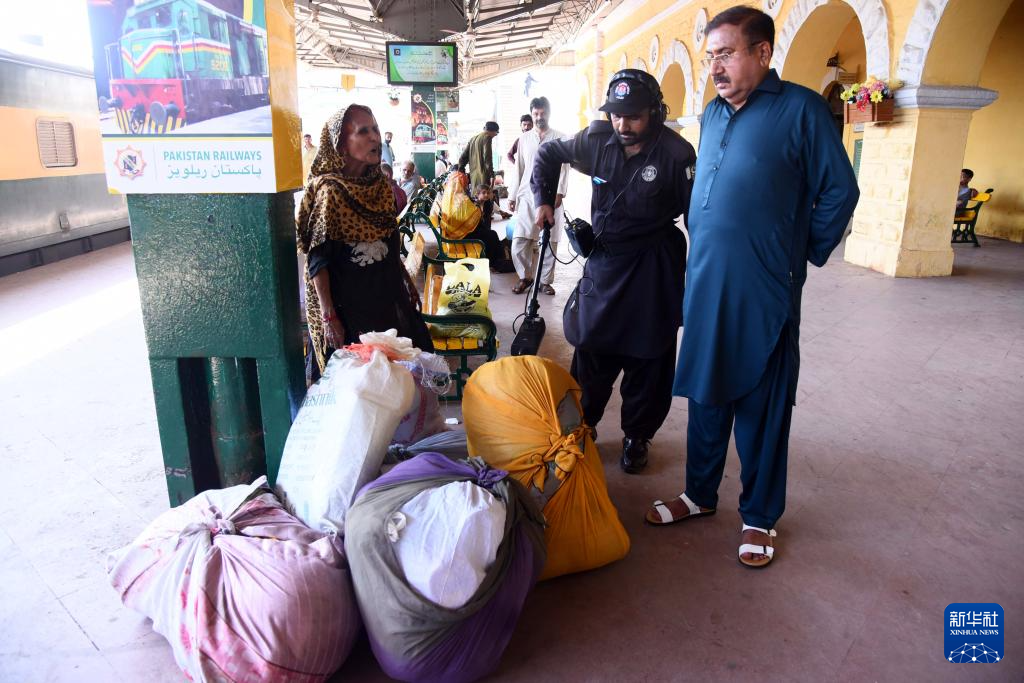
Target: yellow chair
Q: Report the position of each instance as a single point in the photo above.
(447, 250)
(449, 345)
(966, 218)
(453, 250)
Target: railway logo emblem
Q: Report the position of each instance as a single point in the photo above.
(621, 90)
(129, 162)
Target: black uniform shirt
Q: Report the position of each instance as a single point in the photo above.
(630, 297)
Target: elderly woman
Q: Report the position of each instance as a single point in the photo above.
(347, 228)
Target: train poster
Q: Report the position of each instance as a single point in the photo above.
(423, 119)
(183, 91)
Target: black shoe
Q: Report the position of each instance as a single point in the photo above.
(634, 455)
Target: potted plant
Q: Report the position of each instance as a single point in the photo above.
(393, 97)
(870, 101)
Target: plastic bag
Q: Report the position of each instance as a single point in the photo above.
(432, 377)
(459, 215)
(522, 415)
(414, 638)
(340, 437)
(241, 589)
(464, 290)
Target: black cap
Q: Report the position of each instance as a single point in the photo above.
(491, 127)
(627, 96)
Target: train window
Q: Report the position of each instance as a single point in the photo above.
(217, 29)
(56, 141)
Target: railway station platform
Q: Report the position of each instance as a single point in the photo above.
(905, 476)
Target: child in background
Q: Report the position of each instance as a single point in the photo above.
(965, 194)
(493, 245)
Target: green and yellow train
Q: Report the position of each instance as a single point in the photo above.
(178, 62)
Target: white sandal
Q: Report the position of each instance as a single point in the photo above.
(755, 549)
(665, 515)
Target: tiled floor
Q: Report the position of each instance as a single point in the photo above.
(906, 472)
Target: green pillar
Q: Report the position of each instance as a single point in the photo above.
(219, 289)
(424, 164)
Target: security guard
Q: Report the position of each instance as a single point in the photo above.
(627, 307)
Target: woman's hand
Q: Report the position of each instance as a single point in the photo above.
(334, 333)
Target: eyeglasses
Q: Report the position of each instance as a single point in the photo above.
(724, 58)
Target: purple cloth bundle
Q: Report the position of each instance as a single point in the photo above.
(412, 637)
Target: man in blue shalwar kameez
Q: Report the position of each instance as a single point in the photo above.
(774, 189)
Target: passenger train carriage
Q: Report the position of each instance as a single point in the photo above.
(54, 201)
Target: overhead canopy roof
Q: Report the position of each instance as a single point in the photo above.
(494, 36)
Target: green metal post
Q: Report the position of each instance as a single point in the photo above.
(235, 420)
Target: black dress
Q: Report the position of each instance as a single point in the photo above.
(369, 290)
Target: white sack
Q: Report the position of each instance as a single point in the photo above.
(341, 435)
(447, 537)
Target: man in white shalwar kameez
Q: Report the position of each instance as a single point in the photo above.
(526, 237)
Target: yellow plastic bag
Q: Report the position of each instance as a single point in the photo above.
(464, 290)
(459, 215)
(523, 415)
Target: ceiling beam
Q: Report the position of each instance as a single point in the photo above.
(499, 46)
(500, 8)
(522, 9)
(373, 26)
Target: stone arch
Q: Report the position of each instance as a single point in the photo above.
(874, 23)
(678, 54)
(639, 63)
(697, 101)
(915, 48)
(927, 32)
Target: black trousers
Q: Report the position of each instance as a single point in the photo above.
(646, 388)
(760, 421)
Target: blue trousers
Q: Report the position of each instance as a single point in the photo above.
(761, 420)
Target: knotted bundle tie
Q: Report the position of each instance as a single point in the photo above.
(564, 450)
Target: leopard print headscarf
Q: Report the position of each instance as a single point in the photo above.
(339, 207)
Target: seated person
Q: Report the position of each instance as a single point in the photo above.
(493, 245)
(965, 194)
(411, 180)
(400, 199)
(441, 163)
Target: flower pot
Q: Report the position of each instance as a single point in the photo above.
(393, 101)
(882, 111)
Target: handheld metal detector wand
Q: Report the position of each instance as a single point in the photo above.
(531, 333)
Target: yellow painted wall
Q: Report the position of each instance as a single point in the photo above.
(852, 51)
(673, 88)
(20, 156)
(954, 58)
(818, 40)
(995, 146)
(957, 53)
